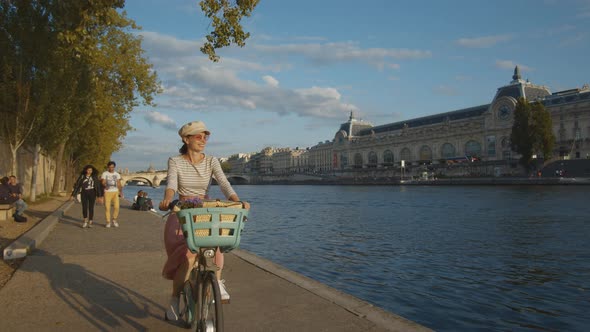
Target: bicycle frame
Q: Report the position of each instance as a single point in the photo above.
(206, 230)
(202, 296)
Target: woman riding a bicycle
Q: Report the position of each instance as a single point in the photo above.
(190, 175)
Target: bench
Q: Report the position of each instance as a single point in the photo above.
(7, 211)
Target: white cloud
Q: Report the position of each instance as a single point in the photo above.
(271, 81)
(482, 42)
(309, 38)
(330, 53)
(192, 82)
(173, 46)
(509, 64)
(163, 120)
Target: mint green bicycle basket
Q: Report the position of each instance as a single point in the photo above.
(212, 227)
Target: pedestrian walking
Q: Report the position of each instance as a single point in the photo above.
(113, 190)
(90, 189)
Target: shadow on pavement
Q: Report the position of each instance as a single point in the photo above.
(97, 299)
(37, 213)
(69, 220)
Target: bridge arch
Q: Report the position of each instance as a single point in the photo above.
(155, 179)
(145, 180)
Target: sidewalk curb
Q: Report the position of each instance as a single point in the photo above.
(30, 240)
(380, 317)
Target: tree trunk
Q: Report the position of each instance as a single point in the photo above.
(69, 176)
(14, 164)
(33, 195)
(46, 165)
(58, 169)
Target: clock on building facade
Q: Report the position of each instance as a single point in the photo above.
(504, 112)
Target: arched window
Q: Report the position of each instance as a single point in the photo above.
(387, 158)
(372, 159)
(473, 148)
(405, 154)
(447, 150)
(425, 153)
(343, 160)
(358, 160)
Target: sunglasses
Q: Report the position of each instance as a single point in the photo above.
(201, 137)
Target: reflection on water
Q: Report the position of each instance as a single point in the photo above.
(451, 258)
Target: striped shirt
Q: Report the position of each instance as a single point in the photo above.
(193, 180)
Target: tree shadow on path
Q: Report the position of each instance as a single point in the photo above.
(99, 300)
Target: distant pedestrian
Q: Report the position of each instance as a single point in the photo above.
(113, 189)
(16, 195)
(90, 189)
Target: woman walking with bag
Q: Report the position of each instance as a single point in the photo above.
(90, 190)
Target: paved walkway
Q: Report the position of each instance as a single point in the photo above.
(103, 279)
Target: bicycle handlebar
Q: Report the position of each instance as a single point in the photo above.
(174, 206)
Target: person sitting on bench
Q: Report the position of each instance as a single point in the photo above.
(135, 205)
(4, 190)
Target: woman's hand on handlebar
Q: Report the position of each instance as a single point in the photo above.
(235, 198)
(164, 205)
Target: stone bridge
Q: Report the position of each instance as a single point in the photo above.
(156, 178)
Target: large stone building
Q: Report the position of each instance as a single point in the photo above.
(239, 162)
(481, 131)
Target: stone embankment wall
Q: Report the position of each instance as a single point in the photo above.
(45, 170)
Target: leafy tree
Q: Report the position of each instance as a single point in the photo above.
(226, 20)
(72, 71)
(71, 74)
(226, 167)
(531, 132)
(544, 138)
(114, 77)
(24, 43)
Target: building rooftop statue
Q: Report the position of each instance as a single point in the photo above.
(516, 77)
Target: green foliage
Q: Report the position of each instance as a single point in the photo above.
(543, 137)
(521, 139)
(24, 40)
(226, 20)
(226, 167)
(74, 70)
(531, 132)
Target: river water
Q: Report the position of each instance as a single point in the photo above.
(453, 258)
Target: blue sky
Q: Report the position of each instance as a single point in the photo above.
(308, 64)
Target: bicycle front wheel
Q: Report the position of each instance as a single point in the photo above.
(210, 312)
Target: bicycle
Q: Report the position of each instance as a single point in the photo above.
(206, 230)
